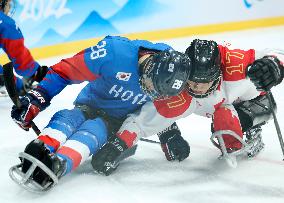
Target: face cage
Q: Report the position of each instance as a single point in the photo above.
(210, 90)
(151, 93)
(26, 181)
(146, 77)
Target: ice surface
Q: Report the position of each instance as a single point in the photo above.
(147, 176)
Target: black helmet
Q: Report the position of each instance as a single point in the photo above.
(206, 63)
(167, 71)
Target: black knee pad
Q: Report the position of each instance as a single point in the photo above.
(254, 112)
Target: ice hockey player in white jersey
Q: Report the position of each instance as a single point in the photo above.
(123, 75)
(228, 86)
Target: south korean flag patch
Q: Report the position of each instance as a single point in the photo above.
(123, 76)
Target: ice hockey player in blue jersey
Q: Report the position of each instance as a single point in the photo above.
(123, 75)
(12, 42)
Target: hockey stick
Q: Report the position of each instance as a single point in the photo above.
(149, 141)
(269, 96)
(127, 153)
(11, 89)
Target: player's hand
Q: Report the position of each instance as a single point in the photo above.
(31, 105)
(266, 73)
(173, 144)
(106, 160)
(40, 73)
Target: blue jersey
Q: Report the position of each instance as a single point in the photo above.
(12, 42)
(113, 71)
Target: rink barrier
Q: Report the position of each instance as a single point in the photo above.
(76, 46)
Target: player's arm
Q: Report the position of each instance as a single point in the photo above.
(234, 69)
(84, 66)
(106, 160)
(151, 119)
(81, 67)
(159, 118)
(12, 41)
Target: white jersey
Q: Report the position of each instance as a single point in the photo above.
(234, 87)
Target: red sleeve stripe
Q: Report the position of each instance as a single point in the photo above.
(21, 57)
(74, 69)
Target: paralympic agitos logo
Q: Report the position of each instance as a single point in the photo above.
(250, 3)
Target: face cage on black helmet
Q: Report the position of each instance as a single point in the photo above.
(213, 87)
(146, 78)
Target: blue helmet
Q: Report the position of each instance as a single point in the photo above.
(168, 71)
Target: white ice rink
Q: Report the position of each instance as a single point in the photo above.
(147, 177)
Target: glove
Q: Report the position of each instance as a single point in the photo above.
(106, 160)
(31, 105)
(173, 144)
(40, 73)
(266, 72)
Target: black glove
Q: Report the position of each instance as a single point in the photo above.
(40, 73)
(106, 160)
(31, 104)
(173, 144)
(266, 72)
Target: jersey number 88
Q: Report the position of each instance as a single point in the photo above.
(98, 51)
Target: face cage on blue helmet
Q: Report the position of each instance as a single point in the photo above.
(150, 93)
(146, 77)
(212, 89)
